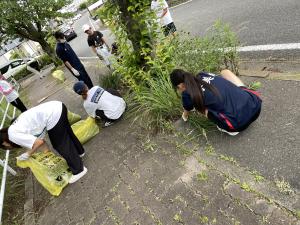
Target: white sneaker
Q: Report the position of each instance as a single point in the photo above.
(82, 155)
(107, 124)
(227, 132)
(76, 177)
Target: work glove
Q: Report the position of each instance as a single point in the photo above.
(75, 72)
(100, 56)
(24, 156)
(185, 118)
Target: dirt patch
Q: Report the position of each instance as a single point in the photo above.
(13, 209)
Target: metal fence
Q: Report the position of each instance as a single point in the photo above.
(4, 163)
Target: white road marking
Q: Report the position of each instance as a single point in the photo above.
(271, 47)
(181, 4)
(88, 57)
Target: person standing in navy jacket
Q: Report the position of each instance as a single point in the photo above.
(222, 99)
(70, 59)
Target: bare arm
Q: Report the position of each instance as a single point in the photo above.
(165, 10)
(94, 50)
(38, 143)
(205, 113)
(105, 43)
(186, 113)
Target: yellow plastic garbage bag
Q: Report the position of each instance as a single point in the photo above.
(49, 169)
(73, 117)
(85, 129)
(59, 74)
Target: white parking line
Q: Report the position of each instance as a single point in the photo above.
(251, 48)
(181, 4)
(272, 47)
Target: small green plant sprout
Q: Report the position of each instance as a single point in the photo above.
(214, 221)
(202, 176)
(178, 218)
(246, 187)
(203, 219)
(265, 219)
(182, 162)
(283, 186)
(255, 85)
(209, 150)
(228, 158)
(257, 176)
(237, 222)
(149, 146)
(297, 213)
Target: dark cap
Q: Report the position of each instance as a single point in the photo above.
(79, 87)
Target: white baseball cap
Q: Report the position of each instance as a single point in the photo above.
(86, 27)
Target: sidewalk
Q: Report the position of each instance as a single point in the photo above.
(134, 178)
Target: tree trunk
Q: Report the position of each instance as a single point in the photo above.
(134, 32)
(47, 48)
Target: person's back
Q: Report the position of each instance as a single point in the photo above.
(232, 101)
(35, 120)
(99, 99)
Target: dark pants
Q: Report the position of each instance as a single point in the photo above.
(19, 105)
(66, 143)
(83, 75)
(169, 29)
(101, 114)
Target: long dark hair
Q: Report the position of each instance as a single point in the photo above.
(4, 137)
(193, 87)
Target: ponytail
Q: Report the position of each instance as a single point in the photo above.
(193, 87)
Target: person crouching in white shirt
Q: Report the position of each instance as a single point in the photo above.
(108, 105)
(29, 129)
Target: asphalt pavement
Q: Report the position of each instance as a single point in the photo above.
(256, 22)
(142, 179)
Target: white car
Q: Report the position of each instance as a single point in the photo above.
(77, 16)
(14, 66)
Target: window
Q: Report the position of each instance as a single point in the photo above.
(4, 69)
(16, 63)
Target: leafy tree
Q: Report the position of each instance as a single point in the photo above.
(29, 19)
(136, 20)
(83, 6)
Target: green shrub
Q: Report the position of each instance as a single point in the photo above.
(216, 50)
(200, 122)
(112, 80)
(156, 103)
(44, 60)
(146, 59)
(21, 74)
(155, 100)
(83, 6)
(51, 41)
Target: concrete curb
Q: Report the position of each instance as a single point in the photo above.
(29, 215)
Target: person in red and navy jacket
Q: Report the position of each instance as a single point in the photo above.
(222, 99)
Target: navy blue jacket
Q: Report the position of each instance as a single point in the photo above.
(232, 109)
(66, 53)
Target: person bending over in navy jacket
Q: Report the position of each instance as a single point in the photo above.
(222, 99)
